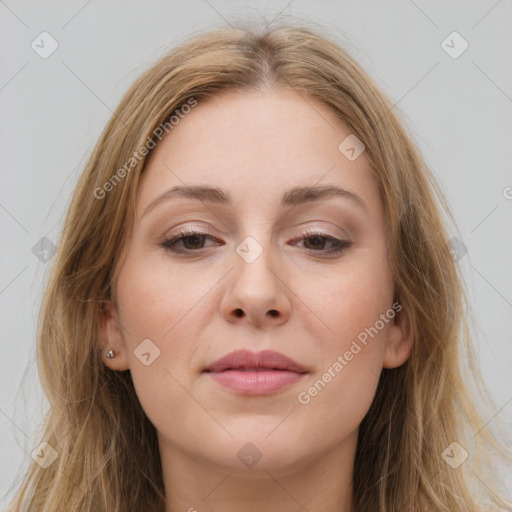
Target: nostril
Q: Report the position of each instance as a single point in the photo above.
(273, 312)
(239, 312)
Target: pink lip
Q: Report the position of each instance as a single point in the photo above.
(255, 373)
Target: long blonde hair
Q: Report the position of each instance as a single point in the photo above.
(108, 456)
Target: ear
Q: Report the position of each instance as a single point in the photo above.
(110, 337)
(400, 340)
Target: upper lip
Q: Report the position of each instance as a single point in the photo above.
(240, 359)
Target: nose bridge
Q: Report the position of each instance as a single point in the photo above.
(255, 260)
(255, 245)
(257, 290)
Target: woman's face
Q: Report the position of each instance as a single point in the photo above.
(276, 265)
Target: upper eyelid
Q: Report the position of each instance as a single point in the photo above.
(184, 232)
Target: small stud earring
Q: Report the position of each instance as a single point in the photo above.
(110, 354)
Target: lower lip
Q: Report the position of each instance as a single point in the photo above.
(256, 383)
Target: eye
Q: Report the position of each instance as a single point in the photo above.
(191, 240)
(315, 241)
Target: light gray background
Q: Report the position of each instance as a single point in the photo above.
(53, 110)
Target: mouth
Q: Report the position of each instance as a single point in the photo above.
(252, 373)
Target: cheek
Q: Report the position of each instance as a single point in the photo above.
(351, 301)
(337, 397)
(161, 306)
(356, 309)
(157, 300)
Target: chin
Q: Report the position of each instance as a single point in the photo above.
(260, 447)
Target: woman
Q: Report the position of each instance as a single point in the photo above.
(254, 305)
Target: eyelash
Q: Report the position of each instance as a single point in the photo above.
(169, 243)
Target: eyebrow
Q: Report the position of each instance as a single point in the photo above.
(292, 197)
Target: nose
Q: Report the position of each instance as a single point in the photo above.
(257, 292)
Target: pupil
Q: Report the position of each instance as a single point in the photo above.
(193, 237)
(316, 239)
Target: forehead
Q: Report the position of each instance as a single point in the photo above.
(256, 144)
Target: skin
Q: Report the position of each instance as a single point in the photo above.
(255, 146)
